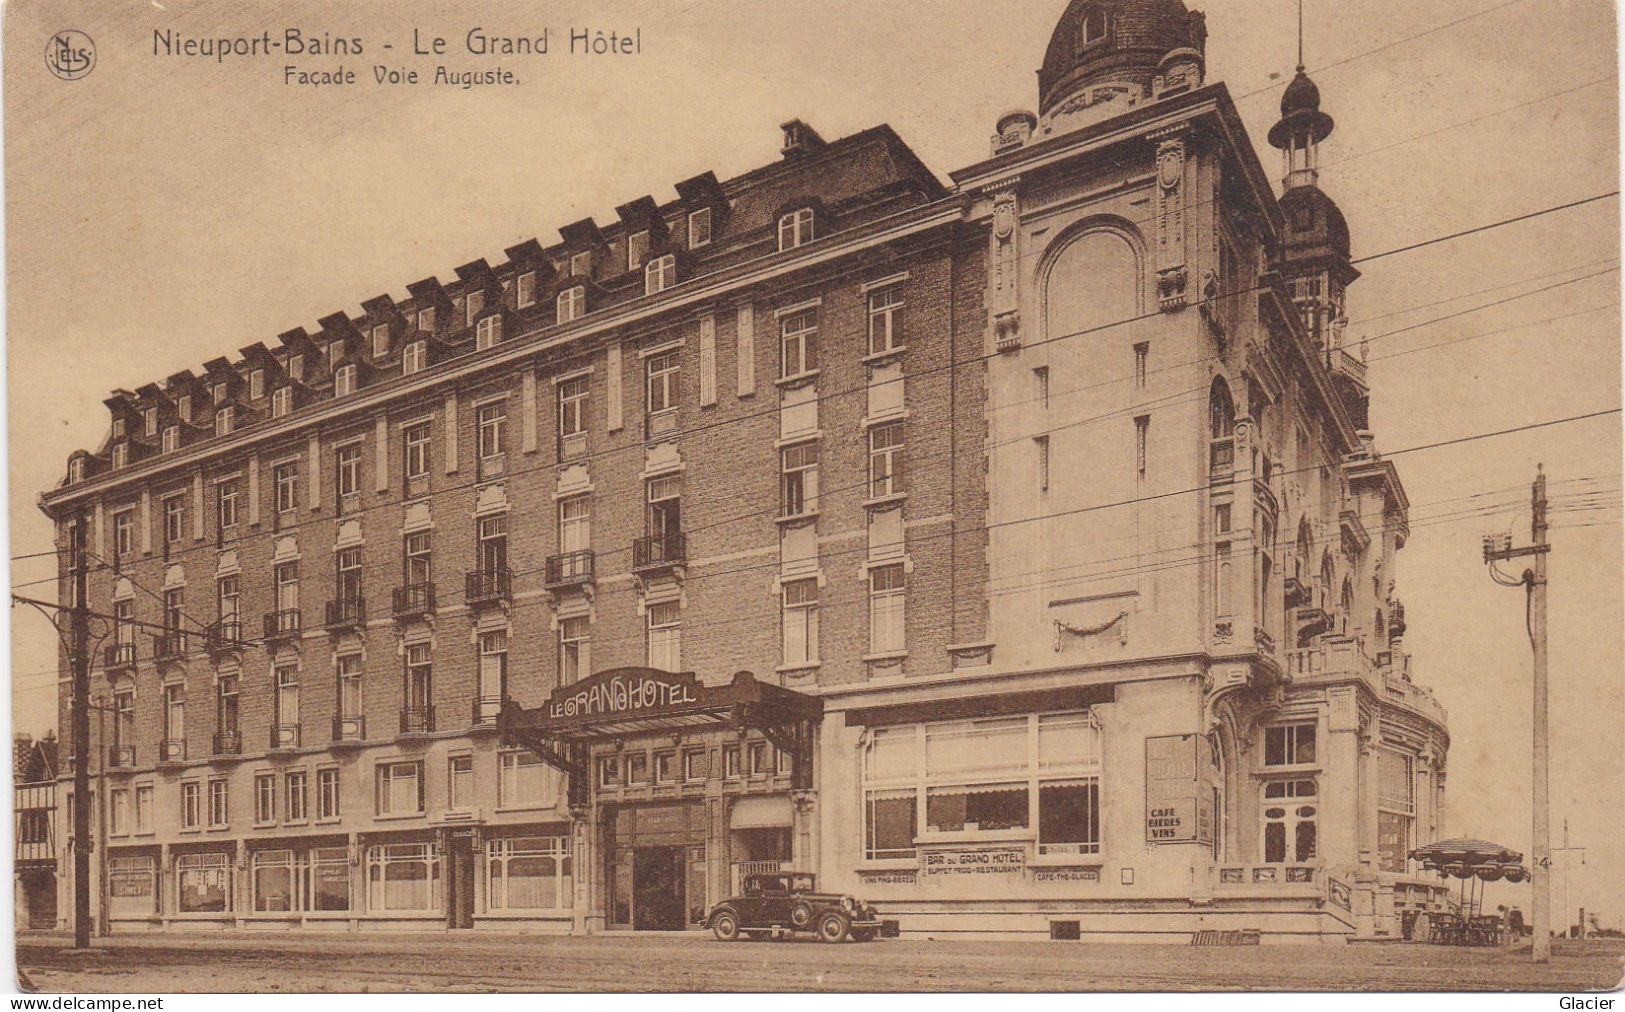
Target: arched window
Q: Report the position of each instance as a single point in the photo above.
(1345, 605)
(1306, 550)
(1221, 424)
(1380, 628)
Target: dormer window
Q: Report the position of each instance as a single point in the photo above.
(527, 290)
(172, 438)
(426, 319)
(219, 393)
(344, 381)
(581, 263)
(76, 469)
(222, 421)
(184, 407)
(380, 341)
(475, 303)
(572, 303)
(281, 401)
(118, 428)
(795, 229)
(256, 384)
(414, 358)
(488, 332)
(637, 248)
(335, 352)
(149, 419)
(1093, 28)
(699, 228)
(296, 367)
(121, 455)
(660, 274)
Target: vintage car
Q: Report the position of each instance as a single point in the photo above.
(779, 904)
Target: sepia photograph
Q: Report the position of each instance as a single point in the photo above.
(871, 496)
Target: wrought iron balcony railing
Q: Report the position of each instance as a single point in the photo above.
(223, 636)
(413, 600)
(486, 711)
(169, 645)
(346, 612)
(172, 750)
(119, 655)
(486, 586)
(285, 736)
(349, 729)
(121, 756)
(569, 569)
(228, 743)
(417, 719)
(282, 623)
(657, 551)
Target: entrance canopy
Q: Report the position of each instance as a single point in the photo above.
(627, 702)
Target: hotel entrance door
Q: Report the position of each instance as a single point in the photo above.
(657, 888)
(655, 867)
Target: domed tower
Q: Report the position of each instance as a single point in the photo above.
(1110, 55)
(1314, 257)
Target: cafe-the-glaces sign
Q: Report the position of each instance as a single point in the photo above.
(623, 691)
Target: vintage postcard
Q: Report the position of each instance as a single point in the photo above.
(1108, 495)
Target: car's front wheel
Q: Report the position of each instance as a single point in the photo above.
(833, 927)
(725, 925)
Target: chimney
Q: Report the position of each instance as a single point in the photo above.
(800, 139)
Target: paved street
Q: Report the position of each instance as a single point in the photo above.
(435, 963)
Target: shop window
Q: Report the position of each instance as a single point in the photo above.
(278, 877)
(329, 878)
(1289, 745)
(1396, 810)
(203, 883)
(404, 877)
(529, 873)
(1290, 819)
(132, 886)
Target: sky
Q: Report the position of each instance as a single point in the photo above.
(163, 211)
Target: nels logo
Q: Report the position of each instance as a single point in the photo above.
(70, 55)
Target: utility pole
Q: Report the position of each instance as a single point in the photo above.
(1496, 549)
(79, 657)
(1566, 850)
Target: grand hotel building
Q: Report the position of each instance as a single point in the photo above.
(1010, 551)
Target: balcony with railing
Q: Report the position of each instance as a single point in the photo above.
(570, 569)
(171, 751)
(121, 757)
(118, 656)
(417, 720)
(346, 613)
(488, 586)
(1335, 657)
(486, 711)
(284, 736)
(228, 743)
(349, 730)
(284, 624)
(658, 551)
(1221, 458)
(223, 637)
(415, 600)
(169, 646)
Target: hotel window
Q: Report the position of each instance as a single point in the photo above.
(572, 303)
(659, 274)
(609, 771)
(885, 320)
(183, 407)
(286, 479)
(799, 480)
(121, 455)
(488, 332)
(349, 689)
(696, 765)
(296, 367)
(118, 428)
(521, 780)
(414, 357)
(472, 306)
(1290, 810)
(124, 716)
(327, 793)
(759, 759)
(415, 441)
(575, 646)
(1289, 744)
(661, 370)
(76, 466)
(221, 391)
(699, 228)
(400, 788)
(175, 717)
(491, 422)
(1093, 28)
(419, 688)
(335, 353)
(174, 519)
(344, 381)
(460, 782)
(172, 439)
(143, 809)
(225, 704)
(527, 290)
(203, 882)
(529, 873)
(118, 815)
(228, 598)
(665, 767)
(256, 384)
(798, 334)
(174, 602)
(1396, 810)
(149, 421)
(264, 798)
(405, 876)
(637, 247)
(226, 496)
(286, 577)
(124, 532)
(572, 395)
(637, 767)
(222, 421)
(665, 636)
(219, 804)
(885, 460)
(1142, 355)
(294, 785)
(493, 538)
(380, 341)
(286, 704)
(418, 548)
(426, 320)
(731, 765)
(347, 474)
(493, 673)
(664, 519)
(191, 804)
(581, 263)
(800, 621)
(795, 229)
(281, 401)
(886, 586)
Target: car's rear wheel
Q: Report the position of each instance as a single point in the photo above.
(725, 925)
(833, 927)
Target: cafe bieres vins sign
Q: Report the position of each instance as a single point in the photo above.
(623, 691)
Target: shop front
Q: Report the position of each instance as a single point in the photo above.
(676, 789)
